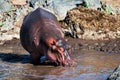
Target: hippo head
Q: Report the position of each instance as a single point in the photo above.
(60, 52)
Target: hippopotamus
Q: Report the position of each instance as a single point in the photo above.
(41, 35)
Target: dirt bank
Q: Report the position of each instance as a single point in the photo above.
(91, 24)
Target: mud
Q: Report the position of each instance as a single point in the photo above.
(92, 63)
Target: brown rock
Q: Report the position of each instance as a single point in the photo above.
(18, 2)
(92, 24)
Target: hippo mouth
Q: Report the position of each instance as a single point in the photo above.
(67, 57)
(59, 52)
(64, 59)
(67, 60)
(60, 58)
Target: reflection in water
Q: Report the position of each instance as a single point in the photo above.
(91, 65)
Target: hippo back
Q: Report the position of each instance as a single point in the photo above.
(28, 22)
(39, 13)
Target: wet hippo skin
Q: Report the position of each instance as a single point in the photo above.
(41, 35)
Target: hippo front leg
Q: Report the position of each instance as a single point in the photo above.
(35, 58)
(49, 59)
(43, 59)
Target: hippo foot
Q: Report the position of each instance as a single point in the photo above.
(45, 61)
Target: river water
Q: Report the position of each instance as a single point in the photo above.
(15, 64)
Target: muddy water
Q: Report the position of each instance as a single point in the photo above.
(15, 64)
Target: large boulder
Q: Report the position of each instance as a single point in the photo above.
(5, 6)
(58, 7)
(86, 23)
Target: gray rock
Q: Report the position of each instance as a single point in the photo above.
(5, 6)
(7, 24)
(115, 75)
(94, 4)
(62, 6)
(117, 11)
(107, 8)
(58, 7)
(32, 2)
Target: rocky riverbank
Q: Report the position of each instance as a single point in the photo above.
(94, 21)
(88, 26)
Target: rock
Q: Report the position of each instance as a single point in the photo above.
(107, 8)
(99, 5)
(7, 36)
(41, 3)
(117, 11)
(1, 23)
(62, 6)
(8, 33)
(19, 16)
(115, 75)
(58, 7)
(1, 16)
(5, 6)
(11, 22)
(7, 24)
(94, 4)
(18, 2)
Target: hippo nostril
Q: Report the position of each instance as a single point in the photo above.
(59, 43)
(68, 47)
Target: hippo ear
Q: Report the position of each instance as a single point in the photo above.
(36, 41)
